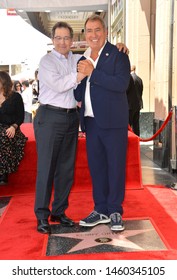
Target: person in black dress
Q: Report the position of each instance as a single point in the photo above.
(12, 140)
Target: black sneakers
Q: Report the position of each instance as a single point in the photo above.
(94, 219)
(116, 222)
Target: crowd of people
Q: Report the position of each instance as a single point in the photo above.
(29, 90)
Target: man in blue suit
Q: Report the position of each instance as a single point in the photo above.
(104, 118)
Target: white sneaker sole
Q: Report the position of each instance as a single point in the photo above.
(117, 228)
(84, 224)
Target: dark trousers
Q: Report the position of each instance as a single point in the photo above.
(106, 150)
(28, 117)
(56, 136)
(134, 117)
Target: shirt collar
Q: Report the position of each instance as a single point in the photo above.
(59, 55)
(87, 53)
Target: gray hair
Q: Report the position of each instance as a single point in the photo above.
(95, 17)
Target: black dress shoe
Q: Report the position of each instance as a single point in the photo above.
(4, 179)
(62, 219)
(43, 226)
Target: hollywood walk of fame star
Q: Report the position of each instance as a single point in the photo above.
(102, 234)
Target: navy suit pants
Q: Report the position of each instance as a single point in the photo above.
(106, 151)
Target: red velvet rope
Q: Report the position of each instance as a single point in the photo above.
(82, 134)
(158, 131)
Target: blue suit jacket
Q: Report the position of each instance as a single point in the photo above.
(108, 84)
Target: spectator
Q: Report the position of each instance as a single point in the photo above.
(139, 92)
(17, 86)
(133, 102)
(12, 140)
(35, 87)
(27, 100)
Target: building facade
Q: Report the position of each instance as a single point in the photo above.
(148, 28)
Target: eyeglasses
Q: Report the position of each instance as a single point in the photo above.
(59, 39)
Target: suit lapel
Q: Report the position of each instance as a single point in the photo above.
(104, 54)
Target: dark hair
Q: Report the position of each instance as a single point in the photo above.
(62, 24)
(95, 17)
(16, 83)
(7, 84)
(36, 73)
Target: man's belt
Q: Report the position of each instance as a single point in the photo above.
(65, 110)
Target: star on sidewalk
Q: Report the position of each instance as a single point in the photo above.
(102, 234)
